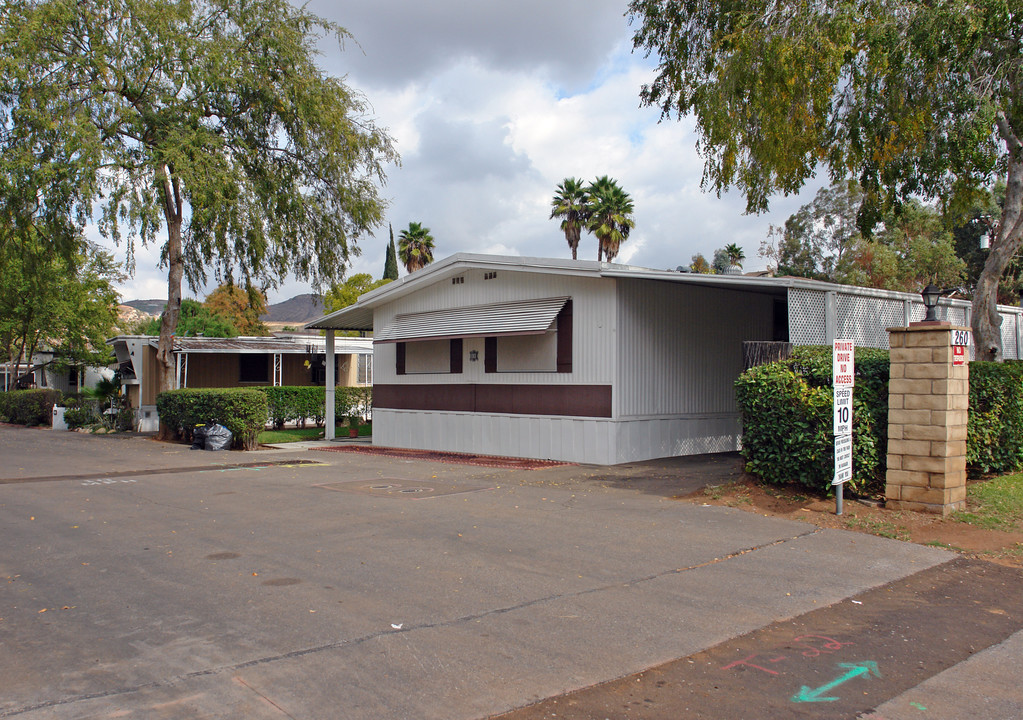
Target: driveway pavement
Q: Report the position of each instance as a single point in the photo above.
(140, 579)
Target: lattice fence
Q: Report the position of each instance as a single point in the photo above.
(865, 319)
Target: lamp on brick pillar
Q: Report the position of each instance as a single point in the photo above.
(931, 293)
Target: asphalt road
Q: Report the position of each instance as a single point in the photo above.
(139, 579)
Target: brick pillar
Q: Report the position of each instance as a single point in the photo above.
(928, 398)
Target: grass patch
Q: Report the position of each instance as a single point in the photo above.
(995, 504)
(716, 492)
(287, 435)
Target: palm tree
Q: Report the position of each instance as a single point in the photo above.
(415, 247)
(735, 254)
(609, 217)
(569, 204)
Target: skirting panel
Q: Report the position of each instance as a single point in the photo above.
(670, 437)
(583, 440)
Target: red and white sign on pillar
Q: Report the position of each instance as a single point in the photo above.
(961, 339)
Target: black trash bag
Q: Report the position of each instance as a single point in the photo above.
(218, 437)
(199, 437)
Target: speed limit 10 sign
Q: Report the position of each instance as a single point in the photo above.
(843, 411)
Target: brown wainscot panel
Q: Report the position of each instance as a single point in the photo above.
(461, 398)
(563, 400)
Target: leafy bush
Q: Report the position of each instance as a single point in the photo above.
(787, 409)
(294, 403)
(243, 411)
(350, 401)
(300, 403)
(28, 407)
(80, 416)
(787, 419)
(995, 427)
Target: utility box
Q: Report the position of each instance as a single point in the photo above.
(58, 418)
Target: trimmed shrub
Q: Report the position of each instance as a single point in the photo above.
(243, 411)
(350, 401)
(301, 403)
(787, 411)
(995, 427)
(28, 407)
(787, 417)
(80, 416)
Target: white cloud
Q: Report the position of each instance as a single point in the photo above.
(491, 105)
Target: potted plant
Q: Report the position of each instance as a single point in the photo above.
(353, 425)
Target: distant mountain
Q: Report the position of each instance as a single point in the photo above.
(296, 311)
(149, 307)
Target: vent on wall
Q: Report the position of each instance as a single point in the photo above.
(460, 280)
(490, 275)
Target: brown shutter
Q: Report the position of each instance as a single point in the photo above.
(399, 359)
(565, 338)
(490, 355)
(456, 356)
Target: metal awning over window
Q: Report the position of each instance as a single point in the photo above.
(525, 317)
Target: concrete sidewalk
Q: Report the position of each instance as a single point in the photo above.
(319, 590)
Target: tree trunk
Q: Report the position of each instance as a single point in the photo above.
(987, 334)
(175, 270)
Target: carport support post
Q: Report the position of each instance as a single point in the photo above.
(928, 399)
(331, 381)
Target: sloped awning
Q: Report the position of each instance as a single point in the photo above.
(524, 317)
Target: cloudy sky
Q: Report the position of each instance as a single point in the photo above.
(491, 105)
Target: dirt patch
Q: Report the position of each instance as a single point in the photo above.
(797, 503)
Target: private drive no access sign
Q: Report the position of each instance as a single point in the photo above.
(843, 363)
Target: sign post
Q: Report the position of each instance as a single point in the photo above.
(843, 373)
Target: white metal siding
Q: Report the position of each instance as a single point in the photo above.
(583, 440)
(587, 440)
(680, 346)
(593, 326)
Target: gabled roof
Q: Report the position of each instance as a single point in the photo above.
(360, 315)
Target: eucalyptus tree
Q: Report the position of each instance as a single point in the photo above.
(571, 204)
(415, 247)
(913, 99)
(609, 216)
(204, 126)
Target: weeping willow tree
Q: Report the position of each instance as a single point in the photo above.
(203, 126)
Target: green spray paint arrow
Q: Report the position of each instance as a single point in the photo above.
(805, 694)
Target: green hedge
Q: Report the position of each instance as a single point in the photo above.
(301, 403)
(243, 411)
(995, 426)
(787, 419)
(28, 407)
